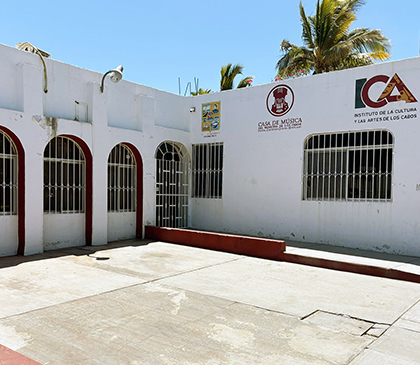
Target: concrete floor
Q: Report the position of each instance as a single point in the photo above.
(140, 302)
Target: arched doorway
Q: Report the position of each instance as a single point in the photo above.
(9, 220)
(125, 175)
(67, 193)
(172, 187)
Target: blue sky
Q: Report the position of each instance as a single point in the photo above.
(158, 41)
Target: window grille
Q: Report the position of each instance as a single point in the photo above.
(121, 180)
(172, 190)
(64, 177)
(348, 166)
(207, 170)
(8, 176)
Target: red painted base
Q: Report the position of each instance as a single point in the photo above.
(10, 357)
(267, 249)
(379, 271)
(242, 245)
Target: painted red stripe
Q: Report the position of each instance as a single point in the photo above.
(10, 357)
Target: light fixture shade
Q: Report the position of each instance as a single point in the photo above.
(116, 74)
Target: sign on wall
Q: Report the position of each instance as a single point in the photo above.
(380, 91)
(210, 118)
(279, 102)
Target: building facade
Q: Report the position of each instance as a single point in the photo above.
(325, 159)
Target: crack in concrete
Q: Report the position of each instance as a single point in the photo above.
(376, 338)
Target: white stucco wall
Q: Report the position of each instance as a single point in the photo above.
(125, 112)
(262, 191)
(262, 177)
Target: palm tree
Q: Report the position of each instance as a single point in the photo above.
(228, 74)
(201, 92)
(329, 44)
(246, 81)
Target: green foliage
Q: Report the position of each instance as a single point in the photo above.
(245, 82)
(201, 92)
(228, 74)
(328, 42)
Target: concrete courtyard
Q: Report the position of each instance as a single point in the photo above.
(142, 302)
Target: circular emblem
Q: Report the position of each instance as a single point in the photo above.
(280, 100)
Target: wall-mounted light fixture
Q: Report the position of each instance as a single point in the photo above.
(192, 110)
(116, 75)
(26, 46)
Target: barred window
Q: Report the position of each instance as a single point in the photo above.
(8, 176)
(348, 166)
(121, 180)
(172, 189)
(64, 177)
(207, 170)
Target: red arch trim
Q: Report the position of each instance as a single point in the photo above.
(139, 197)
(21, 189)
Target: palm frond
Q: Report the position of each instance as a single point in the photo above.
(228, 74)
(295, 59)
(355, 60)
(245, 82)
(329, 44)
(371, 41)
(201, 92)
(307, 36)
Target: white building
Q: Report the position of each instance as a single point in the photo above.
(325, 159)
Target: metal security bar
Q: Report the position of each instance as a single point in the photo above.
(8, 176)
(348, 166)
(172, 188)
(207, 170)
(64, 177)
(121, 180)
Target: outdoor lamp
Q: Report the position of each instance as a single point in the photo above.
(116, 75)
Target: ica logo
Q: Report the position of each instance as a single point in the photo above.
(394, 90)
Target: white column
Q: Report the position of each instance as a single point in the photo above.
(33, 95)
(98, 116)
